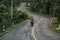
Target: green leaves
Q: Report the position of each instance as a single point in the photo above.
(19, 16)
(5, 13)
(48, 7)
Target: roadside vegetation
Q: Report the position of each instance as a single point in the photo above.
(6, 23)
(49, 8)
(54, 26)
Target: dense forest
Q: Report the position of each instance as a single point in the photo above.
(5, 14)
(46, 7)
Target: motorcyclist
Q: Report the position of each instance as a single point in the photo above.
(32, 22)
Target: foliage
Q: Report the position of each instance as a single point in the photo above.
(54, 27)
(5, 14)
(46, 7)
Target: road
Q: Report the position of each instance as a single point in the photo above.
(23, 32)
(40, 30)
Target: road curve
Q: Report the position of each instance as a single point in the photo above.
(40, 31)
(23, 32)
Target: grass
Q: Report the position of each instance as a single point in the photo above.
(11, 28)
(54, 26)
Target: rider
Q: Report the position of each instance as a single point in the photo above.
(32, 22)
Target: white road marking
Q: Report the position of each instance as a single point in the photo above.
(32, 32)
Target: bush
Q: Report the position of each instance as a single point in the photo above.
(6, 21)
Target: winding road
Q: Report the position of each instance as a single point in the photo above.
(40, 30)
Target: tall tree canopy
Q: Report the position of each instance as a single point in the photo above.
(49, 7)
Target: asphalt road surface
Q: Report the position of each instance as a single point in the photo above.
(40, 30)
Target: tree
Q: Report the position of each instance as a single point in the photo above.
(58, 15)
